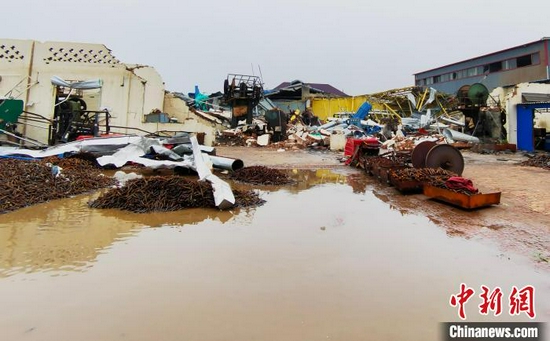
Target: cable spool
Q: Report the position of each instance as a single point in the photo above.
(462, 94)
(478, 94)
(418, 155)
(447, 157)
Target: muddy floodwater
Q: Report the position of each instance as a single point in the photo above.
(325, 259)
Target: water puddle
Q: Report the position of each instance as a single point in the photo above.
(328, 258)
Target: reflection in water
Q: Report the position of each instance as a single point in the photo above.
(358, 182)
(304, 179)
(383, 196)
(67, 235)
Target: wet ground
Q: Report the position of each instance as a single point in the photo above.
(330, 258)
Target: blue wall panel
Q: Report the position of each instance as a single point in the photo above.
(525, 114)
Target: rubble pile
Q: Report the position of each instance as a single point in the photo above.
(297, 137)
(226, 138)
(261, 175)
(31, 182)
(540, 160)
(167, 193)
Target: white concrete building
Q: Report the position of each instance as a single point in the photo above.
(129, 92)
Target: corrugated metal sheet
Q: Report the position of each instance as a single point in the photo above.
(529, 97)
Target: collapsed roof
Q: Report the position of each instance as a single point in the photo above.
(298, 89)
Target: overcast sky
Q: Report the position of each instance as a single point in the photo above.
(357, 46)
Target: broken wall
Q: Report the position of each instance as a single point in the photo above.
(510, 97)
(129, 91)
(176, 107)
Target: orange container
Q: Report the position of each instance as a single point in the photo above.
(460, 199)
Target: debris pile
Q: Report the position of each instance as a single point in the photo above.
(540, 160)
(167, 193)
(31, 182)
(261, 175)
(231, 138)
(435, 174)
(296, 137)
(407, 143)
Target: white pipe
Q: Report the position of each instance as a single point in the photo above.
(454, 135)
(226, 163)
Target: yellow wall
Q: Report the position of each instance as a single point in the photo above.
(327, 107)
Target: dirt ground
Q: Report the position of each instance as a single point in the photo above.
(521, 223)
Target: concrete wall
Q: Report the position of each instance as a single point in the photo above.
(129, 91)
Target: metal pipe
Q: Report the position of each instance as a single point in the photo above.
(455, 122)
(332, 123)
(21, 138)
(226, 163)
(454, 135)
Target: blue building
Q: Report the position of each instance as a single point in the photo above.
(524, 63)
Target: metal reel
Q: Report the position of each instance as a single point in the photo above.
(418, 155)
(447, 157)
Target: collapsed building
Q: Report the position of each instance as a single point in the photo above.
(57, 90)
(298, 95)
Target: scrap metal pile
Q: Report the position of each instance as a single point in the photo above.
(261, 175)
(167, 193)
(429, 175)
(26, 183)
(455, 184)
(394, 168)
(540, 160)
(436, 172)
(296, 137)
(48, 177)
(387, 160)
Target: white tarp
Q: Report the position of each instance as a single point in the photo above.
(132, 149)
(223, 195)
(134, 152)
(71, 147)
(83, 85)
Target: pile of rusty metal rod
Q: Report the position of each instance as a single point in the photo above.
(424, 175)
(540, 160)
(442, 183)
(29, 182)
(167, 193)
(384, 160)
(261, 175)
